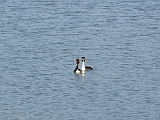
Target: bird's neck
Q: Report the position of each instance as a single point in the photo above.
(76, 67)
(83, 66)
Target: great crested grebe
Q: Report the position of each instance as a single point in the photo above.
(85, 67)
(77, 70)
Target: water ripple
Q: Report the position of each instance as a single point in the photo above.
(40, 41)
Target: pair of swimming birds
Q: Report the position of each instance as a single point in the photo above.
(84, 68)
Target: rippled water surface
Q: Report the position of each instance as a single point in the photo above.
(40, 41)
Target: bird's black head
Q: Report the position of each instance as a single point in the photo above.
(77, 61)
(83, 59)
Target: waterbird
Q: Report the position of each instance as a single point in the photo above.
(77, 70)
(84, 68)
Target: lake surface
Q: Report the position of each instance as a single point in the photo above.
(40, 41)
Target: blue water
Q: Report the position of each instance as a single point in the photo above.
(40, 41)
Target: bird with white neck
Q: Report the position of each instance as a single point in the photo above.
(84, 68)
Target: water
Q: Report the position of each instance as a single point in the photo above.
(40, 41)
